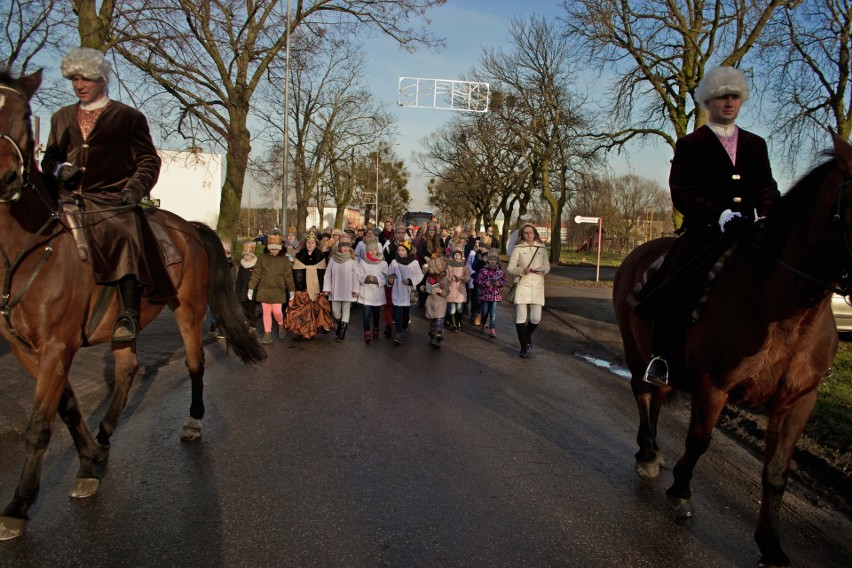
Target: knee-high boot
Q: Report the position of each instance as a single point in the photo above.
(126, 326)
(341, 329)
(530, 329)
(521, 328)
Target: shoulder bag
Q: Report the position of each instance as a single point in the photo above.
(510, 296)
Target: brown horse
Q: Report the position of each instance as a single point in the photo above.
(766, 336)
(50, 297)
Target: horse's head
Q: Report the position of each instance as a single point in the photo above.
(17, 144)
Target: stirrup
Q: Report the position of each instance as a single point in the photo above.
(125, 329)
(657, 373)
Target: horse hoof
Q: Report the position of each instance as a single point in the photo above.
(680, 507)
(191, 430)
(11, 527)
(648, 470)
(84, 487)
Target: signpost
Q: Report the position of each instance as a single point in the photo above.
(599, 220)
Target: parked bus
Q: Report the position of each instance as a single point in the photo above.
(417, 218)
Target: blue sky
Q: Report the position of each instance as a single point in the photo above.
(468, 26)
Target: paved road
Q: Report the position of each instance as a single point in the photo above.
(347, 455)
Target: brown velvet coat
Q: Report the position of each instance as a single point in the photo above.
(118, 154)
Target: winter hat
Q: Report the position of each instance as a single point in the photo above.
(721, 81)
(274, 242)
(493, 254)
(86, 62)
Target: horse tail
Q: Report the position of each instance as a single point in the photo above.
(224, 303)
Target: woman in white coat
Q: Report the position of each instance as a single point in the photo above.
(341, 284)
(372, 273)
(528, 264)
(404, 273)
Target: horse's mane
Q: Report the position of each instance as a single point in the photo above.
(804, 199)
(7, 78)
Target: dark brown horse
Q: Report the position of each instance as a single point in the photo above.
(49, 296)
(766, 336)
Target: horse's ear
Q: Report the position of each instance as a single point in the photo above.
(30, 83)
(843, 153)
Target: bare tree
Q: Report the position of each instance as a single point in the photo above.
(539, 71)
(659, 51)
(211, 55)
(31, 27)
(808, 68)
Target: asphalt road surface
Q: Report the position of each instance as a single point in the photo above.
(342, 454)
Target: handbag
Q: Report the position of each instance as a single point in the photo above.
(413, 295)
(510, 296)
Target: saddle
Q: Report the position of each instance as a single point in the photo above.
(71, 209)
(658, 285)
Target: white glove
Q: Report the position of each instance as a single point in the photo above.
(250, 294)
(726, 216)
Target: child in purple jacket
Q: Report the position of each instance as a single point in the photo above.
(490, 279)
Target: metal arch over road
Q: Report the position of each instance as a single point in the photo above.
(444, 94)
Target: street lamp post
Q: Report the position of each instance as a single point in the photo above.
(286, 151)
(377, 186)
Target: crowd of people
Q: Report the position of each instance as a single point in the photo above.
(308, 286)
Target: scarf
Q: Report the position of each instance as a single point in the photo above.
(405, 261)
(456, 263)
(373, 257)
(248, 263)
(311, 276)
(341, 257)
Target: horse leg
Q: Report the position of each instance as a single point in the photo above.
(126, 365)
(783, 431)
(88, 452)
(50, 381)
(189, 324)
(706, 407)
(649, 402)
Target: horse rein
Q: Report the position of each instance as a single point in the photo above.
(846, 290)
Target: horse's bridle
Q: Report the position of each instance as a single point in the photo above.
(6, 303)
(24, 169)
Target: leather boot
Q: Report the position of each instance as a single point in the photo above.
(436, 340)
(341, 330)
(457, 322)
(521, 329)
(126, 326)
(530, 329)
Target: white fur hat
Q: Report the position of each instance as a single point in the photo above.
(721, 81)
(86, 62)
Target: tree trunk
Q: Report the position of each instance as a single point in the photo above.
(236, 164)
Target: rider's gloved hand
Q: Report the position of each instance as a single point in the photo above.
(68, 175)
(130, 197)
(730, 220)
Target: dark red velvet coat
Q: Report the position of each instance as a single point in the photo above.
(704, 182)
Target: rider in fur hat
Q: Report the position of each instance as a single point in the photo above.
(101, 152)
(721, 181)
